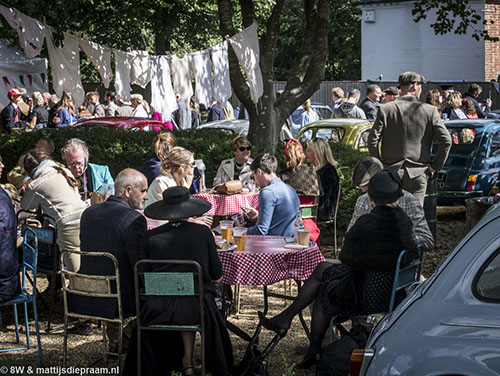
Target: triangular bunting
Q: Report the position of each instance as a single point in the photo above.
(22, 79)
(30, 79)
(6, 81)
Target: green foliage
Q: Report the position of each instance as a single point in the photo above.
(121, 149)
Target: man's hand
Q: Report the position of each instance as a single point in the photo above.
(252, 214)
(430, 170)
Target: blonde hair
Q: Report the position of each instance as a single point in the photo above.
(162, 143)
(322, 152)
(454, 100)
(176, 157)
(140, 99)
(37, 99)
(294, 156)
(239, 141)
(307, 105)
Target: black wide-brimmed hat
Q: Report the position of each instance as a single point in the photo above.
(177, 203)
(385, 187)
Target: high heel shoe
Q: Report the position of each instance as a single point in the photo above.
(309, 360)
(268, 324)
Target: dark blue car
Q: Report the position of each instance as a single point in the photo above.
(473, 165)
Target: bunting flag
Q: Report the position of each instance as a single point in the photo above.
(22, 79)
(30, 79)
(42, 76)
(15, 81)
(6, 81)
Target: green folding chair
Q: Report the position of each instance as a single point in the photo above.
(168, 278)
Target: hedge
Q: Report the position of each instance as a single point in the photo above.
(120, 149)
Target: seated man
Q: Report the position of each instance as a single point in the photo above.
(278, 202)
(116, 227)
(364, 170)
(75, 155)
(9, 267)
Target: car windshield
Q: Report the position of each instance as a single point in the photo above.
(333, 134)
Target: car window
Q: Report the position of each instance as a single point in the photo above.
(462, 136)
(363, 140)
(487, 283)
(495, 144)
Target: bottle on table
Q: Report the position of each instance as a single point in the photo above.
(299, 225)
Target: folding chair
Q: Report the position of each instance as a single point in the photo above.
(153, 278)
(30, 248)
(334, 221)
(403, 277)
(93, 286)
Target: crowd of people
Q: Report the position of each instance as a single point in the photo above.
(388, 217)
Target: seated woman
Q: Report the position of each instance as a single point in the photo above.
(66, 111)
(162, 144)
(183, 240)
(368, 257)
(453, 108)
(177, 169)
(303, 179)
(320, 156)
(238, 167)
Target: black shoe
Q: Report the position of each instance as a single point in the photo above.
(309, 360)
(266, 323)
(82, 328)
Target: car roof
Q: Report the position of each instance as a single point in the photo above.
(119, 122)
(338, 122)
(470, 123)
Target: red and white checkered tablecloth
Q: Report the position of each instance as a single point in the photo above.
(223, 205)
(265, 261)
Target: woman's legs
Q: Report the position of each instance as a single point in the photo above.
(319, 325)
(306, 296)
(187, 360)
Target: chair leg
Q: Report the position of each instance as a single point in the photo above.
(120, 344)
(37, 328)
(52, 294)
(65, 343)
(202, 335)
(105, 342)
(335, 237)
(26, 323)
(16, 323)
(139, 365)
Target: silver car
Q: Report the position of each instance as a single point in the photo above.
(239, 127)
(450, 324)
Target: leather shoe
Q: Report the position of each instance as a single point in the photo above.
(82, 328)
(309, 360)
(268, 324)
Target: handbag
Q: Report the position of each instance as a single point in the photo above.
(229, 187)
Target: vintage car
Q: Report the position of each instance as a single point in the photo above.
(350, 132)
(129, 123)
(239, 127)
(473, 165)
(449, 324)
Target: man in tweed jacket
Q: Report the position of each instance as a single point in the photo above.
(406, 129)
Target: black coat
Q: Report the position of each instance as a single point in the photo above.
(8, 116)
(329, 180)
(114, 227)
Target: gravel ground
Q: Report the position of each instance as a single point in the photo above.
(86, 351)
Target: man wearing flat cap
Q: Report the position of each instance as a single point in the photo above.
(391, 94)
(365, 169)
(406, 129)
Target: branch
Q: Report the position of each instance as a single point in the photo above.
(269, 41)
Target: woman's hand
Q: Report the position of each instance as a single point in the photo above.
(205, 220)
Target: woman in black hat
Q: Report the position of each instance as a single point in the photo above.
(362, 282)
(183, 240)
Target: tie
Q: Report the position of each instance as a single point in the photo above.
(16, 118)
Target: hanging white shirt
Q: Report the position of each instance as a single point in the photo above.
(182, 76)
(65, 67)
(122, 74)
(100, 56)
(203, 89)
(246, 48)
(162, 93)
(222, 81)
(139, 68)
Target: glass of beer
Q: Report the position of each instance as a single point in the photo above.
(226, 229)
(240, 237)
(304, 236)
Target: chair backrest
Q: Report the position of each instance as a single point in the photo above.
(406, 276)
(30, 254)
(90, 285)
(154, 278)
(309, 210)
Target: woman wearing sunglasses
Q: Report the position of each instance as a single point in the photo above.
(238, 167)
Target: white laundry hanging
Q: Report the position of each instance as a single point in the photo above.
(203, 89)
(246, 47)
(222, 83)
(122, 74)
(65, 64)
(139, 69)
(100, 56)
(162, 94)
(31, 32)
(182, 77)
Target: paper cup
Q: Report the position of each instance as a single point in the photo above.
(304, 236)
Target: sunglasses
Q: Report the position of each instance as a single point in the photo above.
(243, 148)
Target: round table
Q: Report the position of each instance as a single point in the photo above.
(224, 205)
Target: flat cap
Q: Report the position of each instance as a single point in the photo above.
(364, 170)
(407, 78)
(392, 90)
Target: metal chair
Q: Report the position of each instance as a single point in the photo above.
(152, 278)
(103, 287)
(334, 221)
(30, 249)
(403, 277)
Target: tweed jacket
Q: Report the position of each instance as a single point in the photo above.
(225, 172)
(114, 227)
(304, 180)
(406, 129)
